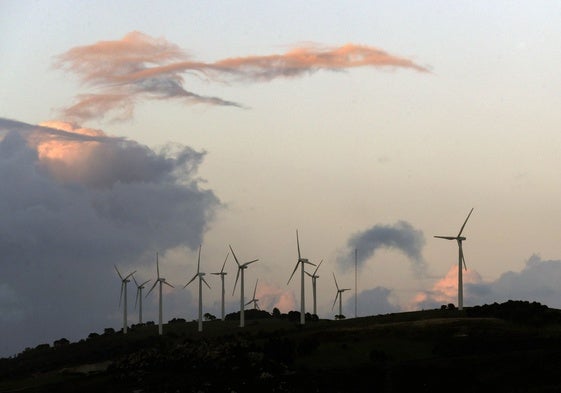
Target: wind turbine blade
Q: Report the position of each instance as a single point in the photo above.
(135, 282)
(236, 283)
(465, 222)
(335, 301)
(168, 284)
(234, 254)
(126, 278)
(311, 275)
(255, 289)
(191, 280)
(298, 245)
(335, 281)
(248, 303)
(144, 283)
(294, 271)
(317, 267)
(206, 283)
(462, 255)
(447, 237)
(122, 289)
(308, 262)
(153, 286)
(157, 266)
(199, 260)
(118, 272)
(250, 262)
(225, 259)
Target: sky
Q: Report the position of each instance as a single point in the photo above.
(133, 128)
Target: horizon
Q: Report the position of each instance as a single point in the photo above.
(171, 127)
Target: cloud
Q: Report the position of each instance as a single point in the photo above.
(445, 290)
(537, 281)
(372, 301)
(76, 201)
(401, 236)
(271, 295)
(140, 67)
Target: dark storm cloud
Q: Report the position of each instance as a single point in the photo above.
(400, 236)
(73, 205)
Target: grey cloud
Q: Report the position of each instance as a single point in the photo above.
(401, 236)
(372, 301)
(59, 239)
(537, 281)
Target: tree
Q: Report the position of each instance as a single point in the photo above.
(276, 313)
(209, 317)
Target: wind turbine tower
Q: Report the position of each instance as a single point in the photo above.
(461, 260)
(222, 273)
(301, 261)
(241, 269)
(160, 281)
(139, 288)
(339, 295)
(124, 281)
(314, 277)
(201, 280)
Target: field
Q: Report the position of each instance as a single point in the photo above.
(513, 347)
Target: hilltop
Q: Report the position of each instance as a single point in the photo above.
(514, 346)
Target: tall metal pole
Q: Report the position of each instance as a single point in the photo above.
(460, 279)
(303, 302)
(223, 293)
(356, 285)
(242, 316)
(160, 328)
(125, 311)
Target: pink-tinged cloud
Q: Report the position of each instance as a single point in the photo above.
(142, 67)
(445, 290)
(272, 296)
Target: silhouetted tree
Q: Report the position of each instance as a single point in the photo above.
(276, 313)
(61, 343)
(209, 317)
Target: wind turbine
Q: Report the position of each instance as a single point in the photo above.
(200, 275)
(339, 295)
(461, 260)
(222, 273)
(254, 300)
(301, 261)
(159, 280)
(241, 269)
(139, 288)
(124, 281)
(314, 277)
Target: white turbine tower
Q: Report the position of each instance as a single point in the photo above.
(241, 269)
(339, 295)
(161, 281)
(461, 260)
(139, 288)
(301, 261)
(314, 277)
(222, 273)
(200, 275)
(253, 299)
(124, 281)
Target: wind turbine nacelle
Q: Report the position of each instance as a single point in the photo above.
(305, 260)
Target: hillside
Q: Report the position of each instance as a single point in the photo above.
(514, 347)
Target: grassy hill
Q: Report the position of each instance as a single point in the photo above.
(511, 347)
